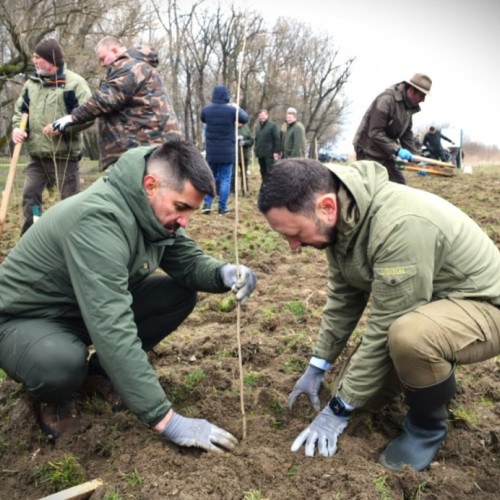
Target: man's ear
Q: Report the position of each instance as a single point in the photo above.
(150, 184)
(327, 208)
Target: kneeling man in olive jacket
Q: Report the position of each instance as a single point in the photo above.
(84, 275)
(432, 275)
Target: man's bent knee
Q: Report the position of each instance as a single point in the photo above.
(416, 351)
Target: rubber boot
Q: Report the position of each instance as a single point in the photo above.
(424, 427)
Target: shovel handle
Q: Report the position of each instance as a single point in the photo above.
(10, 176)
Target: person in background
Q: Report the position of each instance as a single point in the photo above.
(267, 142)
(132, 103)
(51, 91)
(431, 274)
(432, 141)
(220, 118)
(93, 259)
(293, 136)
(385, 130)
(245, 143)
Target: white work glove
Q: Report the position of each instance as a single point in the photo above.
(198, 432)
(63, 123)
(309, 384)
(324, 431)
(242, 284)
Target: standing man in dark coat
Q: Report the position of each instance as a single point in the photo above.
(267, 142)
(386, 127)
(220, 119)
(432, 141)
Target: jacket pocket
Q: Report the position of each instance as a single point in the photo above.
(393, 288)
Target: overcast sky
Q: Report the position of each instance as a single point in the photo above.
(455, 42)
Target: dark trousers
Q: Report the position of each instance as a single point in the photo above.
(50, 356)
(265, 165)
(41, 173)
(395, 175)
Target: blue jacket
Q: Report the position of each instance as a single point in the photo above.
(220, 120)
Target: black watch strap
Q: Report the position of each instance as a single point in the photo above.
(338, 407)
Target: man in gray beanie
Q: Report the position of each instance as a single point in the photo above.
(49, 93)
(386, 128)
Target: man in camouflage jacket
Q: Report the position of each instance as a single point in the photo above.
(131, 102)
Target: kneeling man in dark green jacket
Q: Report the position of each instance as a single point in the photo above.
(84, 275)
(433, 279)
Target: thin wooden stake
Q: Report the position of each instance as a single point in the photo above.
(236, 223)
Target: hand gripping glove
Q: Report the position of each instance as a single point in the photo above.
(324, 431)
(198, 432)
(404, 154)
(63, 123)
(309, 384)
(240, 279)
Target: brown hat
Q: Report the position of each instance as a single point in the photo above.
(420, 82)
(51, 51)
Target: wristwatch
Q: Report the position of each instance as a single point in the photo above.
(338, 407)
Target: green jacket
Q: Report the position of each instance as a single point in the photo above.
(81, 259)
(267, 139)
(45, 100)
(403, 248)
(246, 136)
(294, 140)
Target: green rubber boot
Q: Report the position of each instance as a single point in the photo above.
(424, 427)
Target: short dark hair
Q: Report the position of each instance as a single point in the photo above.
(294, 184)
(176, 162)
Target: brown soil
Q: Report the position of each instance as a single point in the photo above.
(276, 336)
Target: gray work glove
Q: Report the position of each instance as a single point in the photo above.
(242, 284)
(63, 123)
(324, 431)
(198, 432)
(309, 384)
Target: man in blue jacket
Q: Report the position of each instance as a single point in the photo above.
(84, 275)
(220, 120)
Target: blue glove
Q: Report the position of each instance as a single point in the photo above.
(63, 123)
(240, 279)
(323, 430)
(404, 154)
(309, 384)
(198, 432)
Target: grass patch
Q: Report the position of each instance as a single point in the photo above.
(62, 474)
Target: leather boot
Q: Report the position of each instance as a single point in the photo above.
(98, 383)
(56, 418)
(101, 385)
(424, 427)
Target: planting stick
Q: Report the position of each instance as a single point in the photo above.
(243, 172)
(236, 251)
(80, 492)
(10, 176)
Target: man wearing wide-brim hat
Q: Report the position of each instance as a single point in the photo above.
(385, 132)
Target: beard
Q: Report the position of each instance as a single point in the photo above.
(329, 232)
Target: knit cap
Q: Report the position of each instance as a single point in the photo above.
(51, 51)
